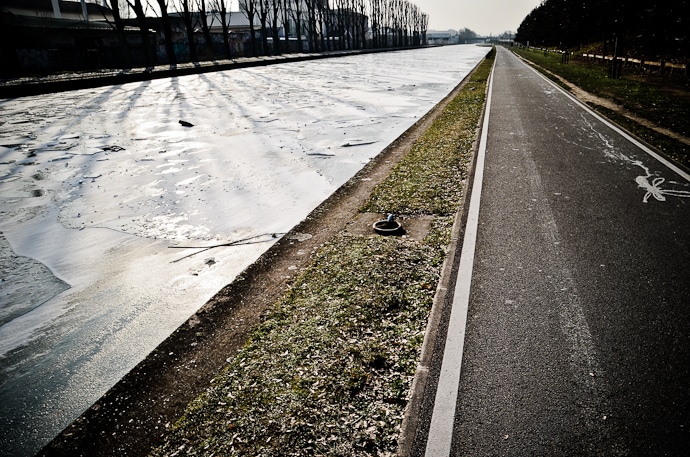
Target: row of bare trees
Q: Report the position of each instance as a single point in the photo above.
(328, 25)
(277, 26)
(194, 15)
(397, 23)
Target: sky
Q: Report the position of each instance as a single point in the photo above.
(483, 17)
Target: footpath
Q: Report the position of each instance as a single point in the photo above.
(567, 334)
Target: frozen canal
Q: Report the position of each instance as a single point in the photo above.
(96, 185)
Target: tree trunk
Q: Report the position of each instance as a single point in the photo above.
(311, 25)
(125, 61)
(249, 7)
(187, 19)
(138, 8)
(275, 8)
(225, 18)
(297, 16)
(286, 25)
(321, 20)
(263, 19)
(203, 19)
(363, 24)
(167, 31)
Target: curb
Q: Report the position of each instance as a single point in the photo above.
(443, 296)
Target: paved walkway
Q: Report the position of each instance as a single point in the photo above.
(568, 333)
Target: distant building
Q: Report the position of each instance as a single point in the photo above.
(33, 39)
(68, 10)
(434, 37)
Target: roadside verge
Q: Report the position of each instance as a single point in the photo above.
(635, 118)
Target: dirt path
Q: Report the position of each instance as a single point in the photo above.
(132, 416)
(589, 98)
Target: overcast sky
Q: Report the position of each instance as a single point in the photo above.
(482, 16)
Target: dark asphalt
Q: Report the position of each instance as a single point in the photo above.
(578, 327)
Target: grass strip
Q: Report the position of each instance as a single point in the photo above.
(676, 150)
(329, 370)
(426, 180)
(659, 99)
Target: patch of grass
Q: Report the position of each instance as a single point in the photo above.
(659, 99)
(674, 149)
(429, 180)
(329, 370)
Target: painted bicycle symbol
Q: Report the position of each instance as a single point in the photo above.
(654, 188)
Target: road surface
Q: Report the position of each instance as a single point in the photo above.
(569, 332)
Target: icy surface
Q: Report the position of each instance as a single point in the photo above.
(97, 184)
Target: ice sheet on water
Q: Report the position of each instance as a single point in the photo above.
(19, 277)
(267, 146)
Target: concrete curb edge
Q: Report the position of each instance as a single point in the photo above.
(443, 296)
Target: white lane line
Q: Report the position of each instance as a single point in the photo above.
(443, 416)
(615, 128)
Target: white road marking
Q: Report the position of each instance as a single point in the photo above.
(618, 130)
(443, 416)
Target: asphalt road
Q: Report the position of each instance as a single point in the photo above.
(577, 336)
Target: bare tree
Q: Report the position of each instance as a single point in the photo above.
(405, 23)
(375, 22)
(249, 8)
(220, 7)
(341, 27)
(297, 14)
(285, 9)
(138, 7)
(311, 24)
(275, 30)
(415, 26)
(167, 31)
(120, 31)
(396, 14)
(386, 22)
(323, 16)
(202, 20)
(189, 27)
(264, 11)
(393, 23)
(363, 25)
